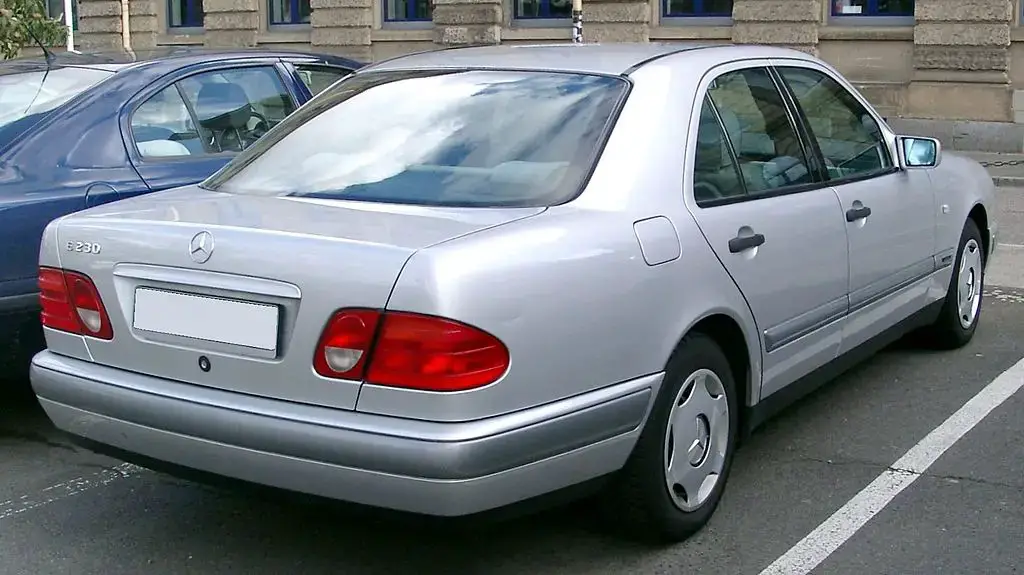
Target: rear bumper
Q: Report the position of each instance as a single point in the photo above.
(445, 469)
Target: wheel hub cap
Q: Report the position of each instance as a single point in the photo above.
(969, 287)
(696, 439)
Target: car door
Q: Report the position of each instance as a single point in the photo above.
(776, 227)
(182, 132)
(889, 213)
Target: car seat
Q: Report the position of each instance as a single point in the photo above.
(224, 111)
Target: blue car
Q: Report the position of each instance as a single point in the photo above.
(77, 131)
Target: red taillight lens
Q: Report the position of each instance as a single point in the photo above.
(71, 303)
(412, 351)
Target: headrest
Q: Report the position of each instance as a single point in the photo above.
(222, 106)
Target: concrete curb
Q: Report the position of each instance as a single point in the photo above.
(1008, 181)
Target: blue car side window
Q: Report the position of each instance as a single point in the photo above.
(162, 127)
(235, 107)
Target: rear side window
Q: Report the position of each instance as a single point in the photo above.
(716, 176)
(763, 137)
(436, 137)
(223, 111)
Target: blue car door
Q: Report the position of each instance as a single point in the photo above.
(180, 132)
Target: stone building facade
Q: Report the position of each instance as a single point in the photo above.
(952, 68)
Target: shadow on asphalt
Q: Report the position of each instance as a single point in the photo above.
(298, 522)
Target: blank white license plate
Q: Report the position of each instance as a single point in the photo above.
(207, 318)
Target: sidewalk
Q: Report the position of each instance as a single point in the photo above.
(1006, 169)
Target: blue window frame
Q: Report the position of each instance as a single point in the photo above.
(285, 12)
(185, 13)
(408, 10)
(872, 8)
(697, 8)
(541, 9)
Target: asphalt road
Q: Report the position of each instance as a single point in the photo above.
(63, 510)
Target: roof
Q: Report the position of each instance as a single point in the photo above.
(616, 58)
(180, 56)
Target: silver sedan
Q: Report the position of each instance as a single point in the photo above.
(460, 280)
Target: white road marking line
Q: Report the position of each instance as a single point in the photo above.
(54, 493)
(819, 544)
(1011, 246)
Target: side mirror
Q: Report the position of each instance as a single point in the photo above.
(918, 152)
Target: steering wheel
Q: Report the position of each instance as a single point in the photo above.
(257, 130)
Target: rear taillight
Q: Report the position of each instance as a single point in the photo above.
(71, 303)
(401, 349)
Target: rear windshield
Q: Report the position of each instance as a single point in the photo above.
(24, 94)
(482, 138)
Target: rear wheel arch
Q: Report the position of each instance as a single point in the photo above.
(725, 331)
(980, 217)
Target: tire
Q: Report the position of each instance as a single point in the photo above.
(956, 324)
(639, 502)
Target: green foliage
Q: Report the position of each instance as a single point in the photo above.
(19, 16)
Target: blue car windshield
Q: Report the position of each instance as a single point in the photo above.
(32, 93)
(477, 138)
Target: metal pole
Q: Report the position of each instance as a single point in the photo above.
(69, 22)
(577, 21)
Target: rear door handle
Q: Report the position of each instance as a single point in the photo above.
(740, 243)
(854, 214)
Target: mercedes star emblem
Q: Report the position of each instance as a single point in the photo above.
(201, 247)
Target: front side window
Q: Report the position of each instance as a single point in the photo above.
(436, 137)
(769, 153)
(850, 139)
(289, 12)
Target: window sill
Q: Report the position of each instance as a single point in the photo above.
(548, 23)
(556, 32)
(407, 25)
(880, 33)
(176, 38)
(674, 32)
(870, 21)
(403, 34)
(696, 21)
(283, 36)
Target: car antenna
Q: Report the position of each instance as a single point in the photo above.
(46, 51)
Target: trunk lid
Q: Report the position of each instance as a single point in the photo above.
(246, 312)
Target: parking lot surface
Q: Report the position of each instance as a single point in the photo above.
(65, 510)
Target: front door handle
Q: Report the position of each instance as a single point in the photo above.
(740, 243)
(854, 214)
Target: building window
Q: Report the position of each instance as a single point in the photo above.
(185, 13)
(902, 8)
(408, 10)
(527, 9)
(697, 8)
(55, 10)
(289, 12)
